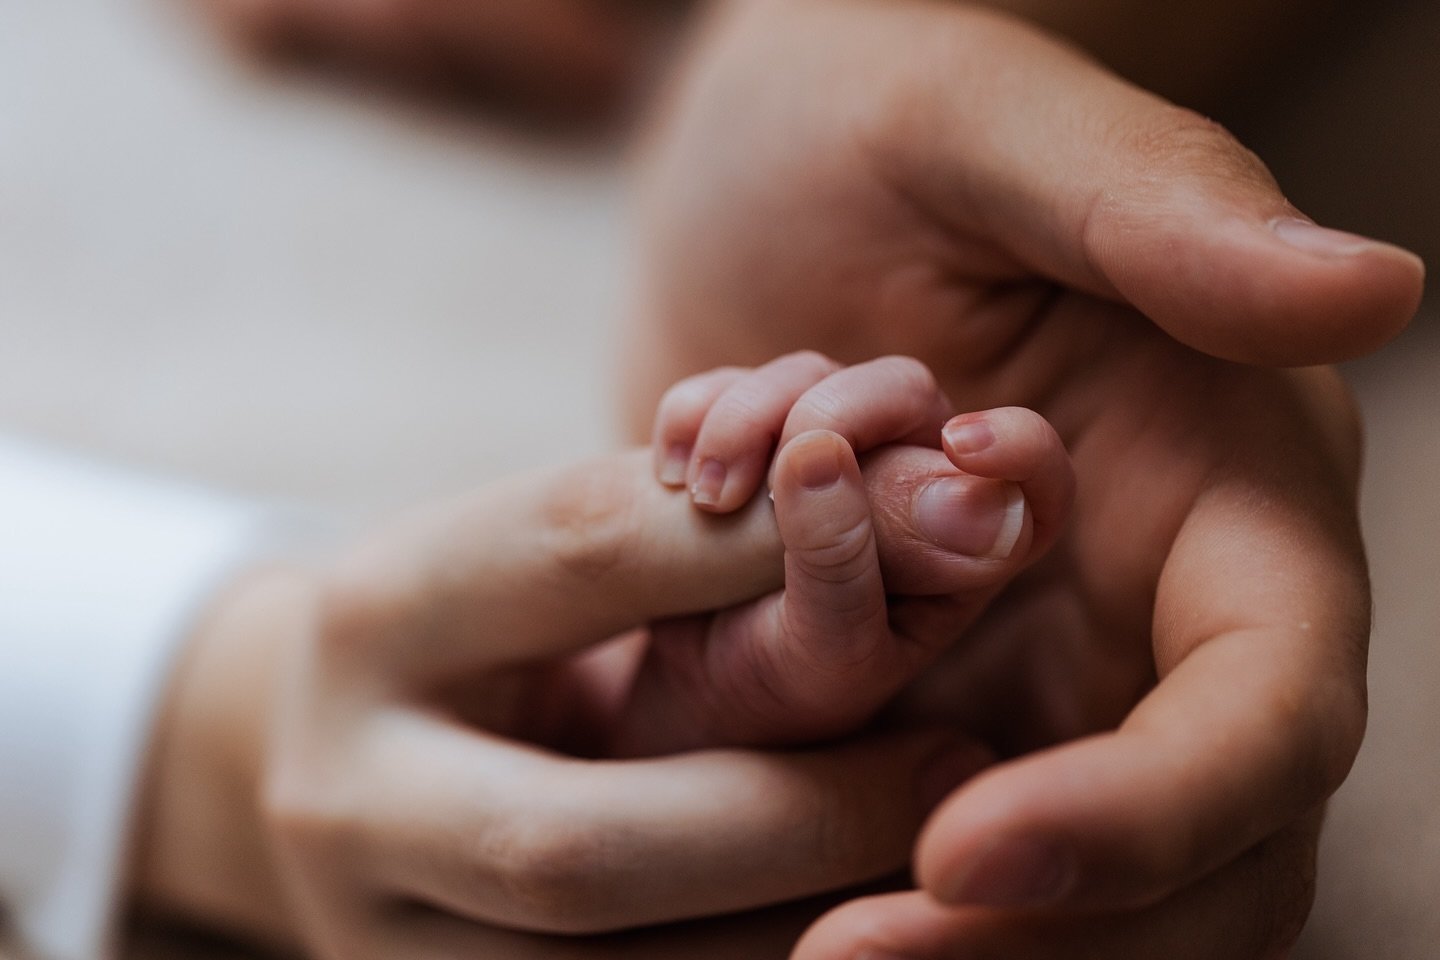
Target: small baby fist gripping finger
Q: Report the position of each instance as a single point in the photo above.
(810, 662)
(782, 669)
(882, 571)
(716, 432)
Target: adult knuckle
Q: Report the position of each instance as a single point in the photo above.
(558, 875)
(1180, 141)
(302, 818)
(586, 523)
(348, 612)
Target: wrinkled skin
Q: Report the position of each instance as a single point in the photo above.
(1181, 683)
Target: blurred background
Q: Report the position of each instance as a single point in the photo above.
(349, 296)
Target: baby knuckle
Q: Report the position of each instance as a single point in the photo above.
(823, 407)
(810, 361)
(843, 555)
(739, 414)
(683, 400)
(913, 376)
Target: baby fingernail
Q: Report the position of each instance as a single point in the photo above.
(672, 465)
(1013, 872)
(970, 517)
(968, 436)
(816, 463)
(709, 482)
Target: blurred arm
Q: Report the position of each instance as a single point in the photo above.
(101, 573)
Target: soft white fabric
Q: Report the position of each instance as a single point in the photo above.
(101, 572)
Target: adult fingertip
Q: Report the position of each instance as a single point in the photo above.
(1022, 871)
(1328, 243)
(1361, 291)
(1270, 290)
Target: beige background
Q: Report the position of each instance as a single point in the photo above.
(295, 291)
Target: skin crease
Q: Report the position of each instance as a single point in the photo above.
(1257, 448)
(416, 659)
(1214, 539)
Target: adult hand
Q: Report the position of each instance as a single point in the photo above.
(1181, 682)
(420, 692)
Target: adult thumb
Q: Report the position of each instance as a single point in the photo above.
(1108, 189)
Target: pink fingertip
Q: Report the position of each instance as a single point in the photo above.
(709, 483)
(672, 465)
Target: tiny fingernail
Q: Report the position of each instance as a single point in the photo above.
(816, 463)
(1313, 238)
(709, 482)
(970, 436)
(970, 517)
(871, 953)
(1013, 872)
(672, 465)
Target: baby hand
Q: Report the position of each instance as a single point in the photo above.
(884, 568)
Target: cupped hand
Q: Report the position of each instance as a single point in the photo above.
(1181, 683)
(421, 790)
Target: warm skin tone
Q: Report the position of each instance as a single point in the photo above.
(1182, 682)
(1024, 204)
(377, 756)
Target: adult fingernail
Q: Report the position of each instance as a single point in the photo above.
(1313, 238)
(709, 482)
(814, 462)
(673, 462)
(970, 517)
(968, 436)
(1013, 872)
